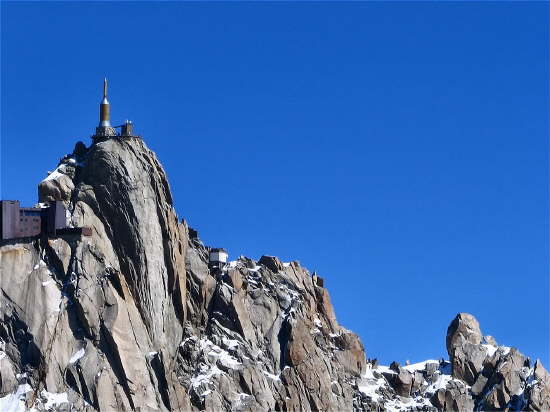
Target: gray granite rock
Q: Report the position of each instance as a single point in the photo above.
(132, 318)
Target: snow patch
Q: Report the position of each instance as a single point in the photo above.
(276, 378)
(200, 382)
(54, 400)
(385, 369)
(505, 349)
(15, 402)
(420, 366)
(413, 404)
(79, 354)
(228, 361)
(370, 385)
(440, 383)
(212, 355)
(240, 401)
(230, 343)
(490, 349)
(54, 175)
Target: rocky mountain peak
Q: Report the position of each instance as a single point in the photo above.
(134, 318)
(463, 328)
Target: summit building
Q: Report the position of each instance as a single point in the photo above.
(105, 130)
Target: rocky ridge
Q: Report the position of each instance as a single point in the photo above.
(133, 319)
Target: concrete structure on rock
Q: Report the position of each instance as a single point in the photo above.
(217, 259)
(18, 222)
(104, 130)
(317, 280)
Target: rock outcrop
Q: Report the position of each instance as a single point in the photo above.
(132, 318)
(481, 376)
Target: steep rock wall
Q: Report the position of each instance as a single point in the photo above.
(132, 317)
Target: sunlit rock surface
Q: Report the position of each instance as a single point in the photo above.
(132, 317)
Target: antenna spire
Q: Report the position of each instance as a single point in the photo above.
(104, 108)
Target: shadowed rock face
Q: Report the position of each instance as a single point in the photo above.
(133, 318)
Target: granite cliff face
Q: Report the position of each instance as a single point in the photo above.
(132, 318)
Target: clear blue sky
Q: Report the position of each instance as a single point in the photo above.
(399, 149)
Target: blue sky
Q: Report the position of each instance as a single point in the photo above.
(399, 149)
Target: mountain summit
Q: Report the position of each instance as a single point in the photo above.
(135, 317)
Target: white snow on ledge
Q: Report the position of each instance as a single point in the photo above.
(276, 378)
(53, 175)
(490, 349)
(212, 356)
(370, 384)
(15, 402)
(420, 365)
(200, 382)
(373, 386)
(230, 343)
(79, 354)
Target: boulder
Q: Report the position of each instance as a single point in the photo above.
(479, 385)
(467, 362)
(57, 186)
(463, 328)
(454, 397)
(403, 383)
(272, 263)
(497, 398)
